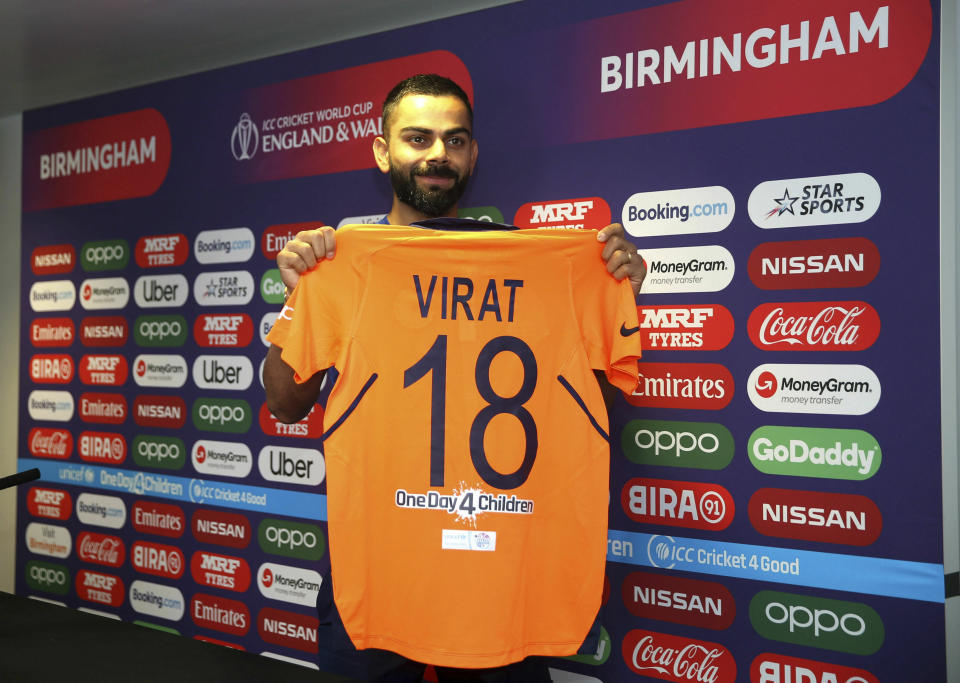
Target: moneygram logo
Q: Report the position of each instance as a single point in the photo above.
(220, 571)
(678, 212)
(272, 287)
(52, 332)
(698, 445)
(101, 549)
(47, 577)
(681, 328)
(51, 368)
(56, 406)
(289, 584)
(291, 465)
(52, 295)
(53, 259)
(677, 270)
(102, 447)
(160, 519)
(158, 559)
(817, 622)
(679, 600)
(160, 330)
(310, 427)
(285, 537)
(229, 288)
(814, 326)
(221, 528)
(819, 200)
(698, 386)
(157, 600)
(104, 293)
(851, 454)
(223, 330)
(153, 370)
(222, 372)
(46, 442)
(160, 291)
(815, 516)
(275, 237)
(50, 503)
(587, 213)
(103, 408)
(104, 331)
(677, 659)
(814, 264)
(160, 411)
(106, 511)
(159, 251)
(105, 589)
(233, 245)
(162, 452)
(688, 504)
(231, 415)
(220, 614)
(47, 539)
(773, 668)
(287, 629)
(103, 370)
(223, 458)
(820, 389)
(104, 255)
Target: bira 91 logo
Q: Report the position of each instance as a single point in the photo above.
(101, 549)
(158, 251)
(161, 291)
(287, 629)
(160, 411)
(816, 516)
(104, 292)
(816, 201)
(286, 537)
(773, 668)
(47, 577)
(814, 264)
(292, 465)
(814, 326)
(676, 270)
(220, 614)
(289, 584)
(103, 408)
(162, 452)
(110, 330)
(105, 589)
(232, 415)
(50, 503)
(160, 519)
(810, 621)
(820, 389)
(46, 442)
(310, 427)
(232, 245)
(157, 559)
(677, 659)
(52, 295)
(57, 332)
(679, 600)
(102, 447)
(221, 528)
(275, 237)
(587, 213)
(103, 370)
(53, 259)
(160, 330)
(105, 255)
(687, 504)
(227, 330)
(685, 328)
(699, 445)
(51, 368)
(228, 288)
(220, 571)
(851, 454)
(698, 386)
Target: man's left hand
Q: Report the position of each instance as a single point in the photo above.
(621, 257)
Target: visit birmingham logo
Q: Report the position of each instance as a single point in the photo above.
(245, 138)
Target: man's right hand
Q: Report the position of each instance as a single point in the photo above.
(304, 252)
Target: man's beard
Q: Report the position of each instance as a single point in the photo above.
(432, 203)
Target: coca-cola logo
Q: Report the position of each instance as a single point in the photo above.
(675, 658)
(101, 549)
(814, 264)
(693, 505)
(46, 442)
(223, 330)
(310, 427)
(707, 327)
(53, 259)
(679, 600)
(102, 447)
(47, 332)
(109, 330)
(50, 503)
(698, 386)
(51, 368)
(158, 251)
(815, 516)
(814, 326)
(161, 519)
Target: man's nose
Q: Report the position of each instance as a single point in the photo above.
(437, 154)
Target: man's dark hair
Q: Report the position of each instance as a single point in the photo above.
(424, 84)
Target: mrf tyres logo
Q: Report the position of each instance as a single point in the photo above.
(678, 212)
(223, 330)
(693, 505)
(587, 213)
(820, 200)
(697, 386)
(220, 571)
(810, 621)
(698, 445)
(680, 328)
(818, 389)
(851, 454)
(814, 326)
(157, 251)
(677, 270)
(677, 659)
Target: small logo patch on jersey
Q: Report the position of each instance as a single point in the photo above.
(627, 331)
(462, 539)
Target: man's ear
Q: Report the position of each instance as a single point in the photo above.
(381, 153)
(474, 151)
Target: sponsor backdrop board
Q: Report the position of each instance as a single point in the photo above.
(775, 510)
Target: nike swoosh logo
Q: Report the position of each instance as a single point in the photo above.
(626, 332)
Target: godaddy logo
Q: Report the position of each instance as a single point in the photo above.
(271, 287)
(814, 452)
(701, 445)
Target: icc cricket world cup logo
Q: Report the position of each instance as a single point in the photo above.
(245, 139)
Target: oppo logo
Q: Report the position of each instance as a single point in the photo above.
(221, 528)
(677, 659)
(224, 458)
(45, 442)
(223, 372)
(220, 571)
(105, 589)
(232, 245)
(160, 291)
(679, 600)
(223, 330)
(102, 447)
(160, 411)
(586, 213)
(105, 255)
(159, 251)
(292, 465)
(288, 629)
(817, 622)
(162, 452)
(53, 259)
(231, 415)
(104, 331)
(46, 332)
(814, 326)
(677, 270)
(51, 368)
(851, 454)
(773, 668)
(104, 292)
(47, 577)
(289, 584)
(157, 600)
(161, 519)
(275, 237)
(698, 386)
(678, 503)
(815, 516)
(310, 427)
(103, 370)
(52, 295)
(50, 503)
(299, 540)
(160, 330)
(157, 559)
(685, 328)
(699, 445)
(814, 264)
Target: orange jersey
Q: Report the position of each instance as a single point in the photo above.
(466, 435)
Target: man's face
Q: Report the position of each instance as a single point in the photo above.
(429, 152)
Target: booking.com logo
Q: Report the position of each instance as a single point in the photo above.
(678, 212)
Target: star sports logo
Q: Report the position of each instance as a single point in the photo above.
(783, 205)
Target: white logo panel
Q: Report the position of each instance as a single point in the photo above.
(160, 370)
(676, 270)
(292, 465)
(48, 539)
(56, 406)
(816, 389)
(223, 458)
(228, 288)
(97, 510)
(678, 212)
(52, 295)
(233, 245)
(104, 293)
(223, 372)
(160, 291)
(818, 200)
(157, 600)
(289, 584)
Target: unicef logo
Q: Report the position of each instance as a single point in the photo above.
(245, 138)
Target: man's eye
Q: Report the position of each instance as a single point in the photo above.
(456, 142)
(417, 139)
